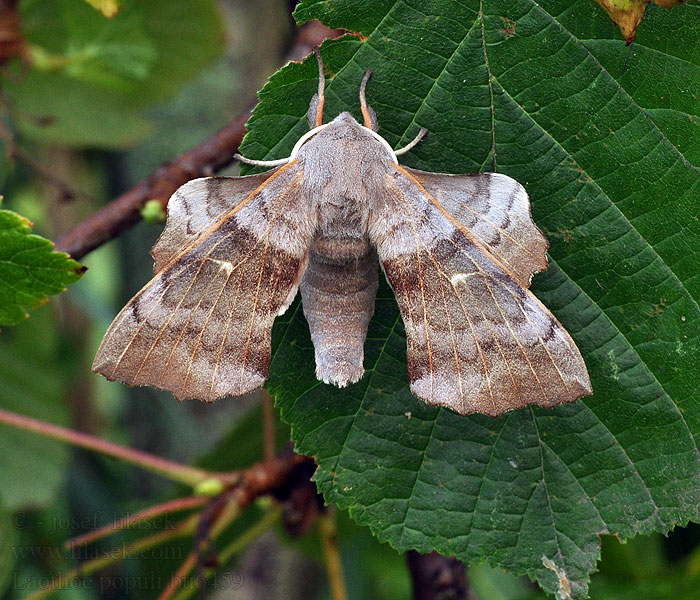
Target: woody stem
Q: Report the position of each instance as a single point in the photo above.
(190, 476)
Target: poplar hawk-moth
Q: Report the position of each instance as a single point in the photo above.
(458, 251)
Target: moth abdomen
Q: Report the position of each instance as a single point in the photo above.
(338, 291)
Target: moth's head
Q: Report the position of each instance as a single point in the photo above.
(345, 118)
(344, 127)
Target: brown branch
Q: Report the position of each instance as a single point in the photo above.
(268, 476)
(212, 154)
(167, 468)
(437, 577)
(12, 43)
(206, 158)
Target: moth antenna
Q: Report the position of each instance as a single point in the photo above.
(321, 87)
(261, 163)
(410, 145)
(367, 113)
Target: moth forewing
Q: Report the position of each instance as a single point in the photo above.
(495, 210)
(196, 206)
(201, 327)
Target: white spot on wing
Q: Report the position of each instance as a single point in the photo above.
(458, 278)
(224, 265)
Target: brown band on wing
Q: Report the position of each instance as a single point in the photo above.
(234, 210)
(456, 223)
(495, 209)
(186, 253)
(251, 348)
(195, 206)
(493, 346)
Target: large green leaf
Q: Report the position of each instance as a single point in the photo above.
(605, 140)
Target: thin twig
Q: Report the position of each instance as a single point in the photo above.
(260, 479)
(151, 512)
(234, 547)
(212, 521)
(331, 554)
(174, 471)
(67, 191)
(183, 529)
(179, 576)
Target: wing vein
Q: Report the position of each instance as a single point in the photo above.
(204, 327)
(226, 333)
(256, 298)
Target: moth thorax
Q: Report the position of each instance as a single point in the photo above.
(342, 215)
(341, 248)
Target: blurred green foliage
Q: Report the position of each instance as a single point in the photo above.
(90, 76)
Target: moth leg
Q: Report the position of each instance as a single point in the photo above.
(368, 114)
(315, 114)
(412, 144)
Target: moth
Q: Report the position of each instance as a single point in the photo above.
(458, 251)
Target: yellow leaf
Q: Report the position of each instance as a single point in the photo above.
(626, 14)
(108, 8)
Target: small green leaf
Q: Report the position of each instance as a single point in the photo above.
(108, 8)
(113, 53)
(30, 270)
(119, 57)
(107, 69)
